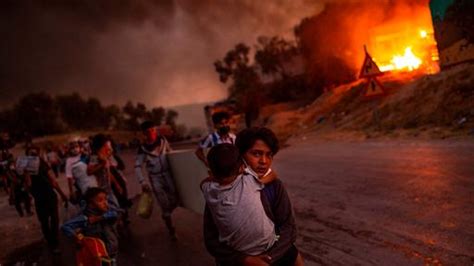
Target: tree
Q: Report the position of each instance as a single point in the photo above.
(134, 115)
(115, 119)
(272, 54)
(38, 115)
(171, 116)
(72, 109)
(157, 115)
(235, 66)
(95, 115)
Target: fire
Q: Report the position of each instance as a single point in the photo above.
(408, 61)
(405, 45)
(423, 34)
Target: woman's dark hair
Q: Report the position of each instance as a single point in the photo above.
(219, 116)
(224, 160)
(98, 141)
(92, 192)
(247, 137)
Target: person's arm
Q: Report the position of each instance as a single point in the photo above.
(268, 178)
(200, 155)
(205, 143)
(55, 185)
(140, 159)
(71, 227)
(70, 179)
(219, 250)
(110, 215)
(167, 147)
(284, 222)
(93, 167)
(115, 183)
(120, 162)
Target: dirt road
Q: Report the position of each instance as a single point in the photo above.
(356, 203)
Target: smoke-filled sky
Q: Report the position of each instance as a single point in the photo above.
(159, 52)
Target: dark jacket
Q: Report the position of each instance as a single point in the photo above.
(278, 208)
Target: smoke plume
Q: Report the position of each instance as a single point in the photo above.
(155, 51)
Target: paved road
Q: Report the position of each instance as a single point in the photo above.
(390, 203)
(364, 203)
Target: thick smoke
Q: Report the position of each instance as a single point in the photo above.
(157, 52)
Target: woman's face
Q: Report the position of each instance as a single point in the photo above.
(259, 157)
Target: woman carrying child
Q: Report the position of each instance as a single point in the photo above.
(257, 147)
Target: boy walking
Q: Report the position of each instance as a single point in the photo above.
(96, 221)
(222, 134)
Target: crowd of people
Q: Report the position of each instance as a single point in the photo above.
(248, 218)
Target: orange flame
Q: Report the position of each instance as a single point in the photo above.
(404, 50)
(408, 61)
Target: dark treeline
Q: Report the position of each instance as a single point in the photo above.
(39, 114)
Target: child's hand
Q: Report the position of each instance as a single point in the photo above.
(94, 219)
(78, 237)
(272, 176)
(207, 179)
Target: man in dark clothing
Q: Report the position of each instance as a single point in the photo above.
(42, 186)
(19, 190)
(257, 147)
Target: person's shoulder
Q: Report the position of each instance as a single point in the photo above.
(206, 139)
(276, 184)
(208, 136)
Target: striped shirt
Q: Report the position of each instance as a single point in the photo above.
(214, 138)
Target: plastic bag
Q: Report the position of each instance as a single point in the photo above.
(145, 205)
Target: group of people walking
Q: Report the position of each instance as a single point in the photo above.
(248, 218)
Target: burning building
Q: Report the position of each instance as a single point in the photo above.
(398, 34)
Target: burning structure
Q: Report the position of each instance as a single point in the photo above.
(398, 34)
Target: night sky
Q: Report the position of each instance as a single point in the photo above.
(156, 52)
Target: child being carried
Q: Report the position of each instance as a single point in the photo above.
(232, 195)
